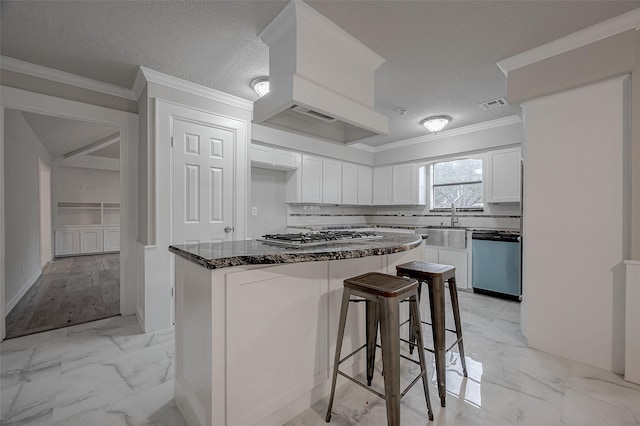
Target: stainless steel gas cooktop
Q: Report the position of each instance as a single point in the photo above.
(321, 238)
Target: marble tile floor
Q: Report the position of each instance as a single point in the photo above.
(507, 384)
(105, 372)
(109, 373)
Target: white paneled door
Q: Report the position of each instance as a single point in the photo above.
(202, 181)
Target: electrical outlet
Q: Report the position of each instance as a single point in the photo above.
(254, 211)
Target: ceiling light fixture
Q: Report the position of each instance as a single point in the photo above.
(260, 85)
(436, 123)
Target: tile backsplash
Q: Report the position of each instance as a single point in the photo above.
(493, 217)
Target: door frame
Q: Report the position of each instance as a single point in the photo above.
(164, 112)
(127, 124)
(44, 232)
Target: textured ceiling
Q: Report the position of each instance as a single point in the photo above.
(62, 135)
(440, 55)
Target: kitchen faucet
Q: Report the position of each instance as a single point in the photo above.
(454, 218)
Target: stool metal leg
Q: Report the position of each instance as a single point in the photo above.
(415, 310)
(372, 337)
(412, 322)
(436, 301)
(453, 290)
(390, 337)
(346, 293)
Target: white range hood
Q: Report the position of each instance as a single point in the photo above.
(321, 79)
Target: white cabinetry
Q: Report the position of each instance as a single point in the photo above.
(460, 259)
(311, 179)
(274, 158)
(503, 176)
(86, 228)
(111, 239)
(404, 184)
(365, 185)
(91, 240)
(67, 241)
(350, 183)
(382, 177)
(356, 184)
(331, 181)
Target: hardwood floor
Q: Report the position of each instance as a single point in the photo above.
(71, 290)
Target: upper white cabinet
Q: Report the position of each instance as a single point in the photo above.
(331, 181)
(350, 184)
(382, 178)
(403, 184)
(356, 184)
(274, 158)
(503, 176)
(365, 185)
(311, 179)
(286, 159)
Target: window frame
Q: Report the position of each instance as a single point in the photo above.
(482, 157)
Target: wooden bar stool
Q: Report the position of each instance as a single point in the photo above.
(383, 294)
(435, 275)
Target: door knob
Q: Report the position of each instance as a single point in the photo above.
(228, 229)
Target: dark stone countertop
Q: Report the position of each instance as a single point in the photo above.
(251, 252)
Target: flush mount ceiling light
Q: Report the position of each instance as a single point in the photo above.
(260, 85)
(436, 123)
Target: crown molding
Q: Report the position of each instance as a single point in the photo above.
(15, 65)
(139, 83)
(599, 31)
(513, 119)
(186, 86)
(364, 147)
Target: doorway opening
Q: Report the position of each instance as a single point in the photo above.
(46, 251)
(62, 263)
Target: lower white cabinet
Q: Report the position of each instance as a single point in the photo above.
(67, 241)
(458, 258)
(91, 240)
(74, 240)
(111, 239)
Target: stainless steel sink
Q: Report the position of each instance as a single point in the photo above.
(444, 237)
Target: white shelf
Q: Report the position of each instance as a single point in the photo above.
(82, 213)
(84, 228)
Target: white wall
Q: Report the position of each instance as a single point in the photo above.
(81, 185)
(22, 150)
(268, 196)
(576, 222)
(299, 143)
(487, 136)
(155, 300)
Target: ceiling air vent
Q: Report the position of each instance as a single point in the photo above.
(311, 113)
(494, 103)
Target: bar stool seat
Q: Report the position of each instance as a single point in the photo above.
(382, 294)
(435, 275)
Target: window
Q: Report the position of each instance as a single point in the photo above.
(457, 181)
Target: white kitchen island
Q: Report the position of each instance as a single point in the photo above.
(256, 324)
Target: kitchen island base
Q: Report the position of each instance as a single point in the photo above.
(254, 343)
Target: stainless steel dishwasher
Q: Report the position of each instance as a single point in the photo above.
(496, 264)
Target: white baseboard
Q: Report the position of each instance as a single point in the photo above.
(23, 290)
(632, 343)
